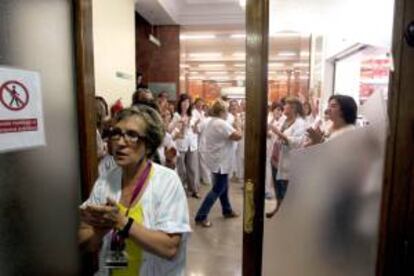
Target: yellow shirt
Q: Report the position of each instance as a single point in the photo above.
(133, 250)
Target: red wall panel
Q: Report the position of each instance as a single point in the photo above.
(157, 64)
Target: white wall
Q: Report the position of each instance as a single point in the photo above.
(347, 76)
(114, 49)
(365, 21)
(335, 44)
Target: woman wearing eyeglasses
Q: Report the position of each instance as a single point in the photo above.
(139, 207)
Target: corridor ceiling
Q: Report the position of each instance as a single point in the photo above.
(348, 21)
(368, 21)
(192, 12)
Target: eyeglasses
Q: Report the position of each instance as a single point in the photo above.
(130, 136)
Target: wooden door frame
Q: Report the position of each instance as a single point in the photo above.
(395, 256)
(257, 52)
(85, 91)
(397, 225)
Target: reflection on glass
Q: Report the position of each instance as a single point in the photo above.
(328, 222)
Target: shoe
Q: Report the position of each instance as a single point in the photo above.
(272, 213)
(196, 195)
(204, 223)
(231, 215)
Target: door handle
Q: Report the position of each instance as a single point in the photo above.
(409, 34)
(249, 210)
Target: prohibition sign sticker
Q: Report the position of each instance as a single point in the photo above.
(14, 95)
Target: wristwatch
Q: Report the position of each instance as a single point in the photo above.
(124, 232)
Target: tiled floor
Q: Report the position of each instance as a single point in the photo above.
(217, 250)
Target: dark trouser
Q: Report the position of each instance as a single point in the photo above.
(279, 184)
(219, 190)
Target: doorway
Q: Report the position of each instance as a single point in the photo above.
(312, 80)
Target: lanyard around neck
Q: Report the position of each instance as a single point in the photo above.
(287, 125)
(140, 184)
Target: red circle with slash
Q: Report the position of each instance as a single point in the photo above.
(18, 95)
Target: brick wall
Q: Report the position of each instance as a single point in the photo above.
(158, 64)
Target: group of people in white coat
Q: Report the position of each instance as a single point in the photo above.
(292, 125)
(139, 207)
(209, 150)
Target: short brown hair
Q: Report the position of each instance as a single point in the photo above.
(296, 104)
(218, 107)
(154, 132)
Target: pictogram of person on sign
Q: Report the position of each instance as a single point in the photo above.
(14, 95)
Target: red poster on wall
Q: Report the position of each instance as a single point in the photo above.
(374, 77)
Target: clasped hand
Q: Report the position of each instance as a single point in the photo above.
(315, 135)
(102, 216)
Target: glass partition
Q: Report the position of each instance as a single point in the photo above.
(40, 187)
(326, 142)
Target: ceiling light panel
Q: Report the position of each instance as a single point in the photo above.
(287, 54)
(207, 54)
(212, 65)
(197, 36)
(219, 78)
(216, 72)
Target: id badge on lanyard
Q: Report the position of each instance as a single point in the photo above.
(116, 257)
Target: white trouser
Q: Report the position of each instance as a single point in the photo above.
(269, 181)
(205, 173)
(187, 167)
(240, 160)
